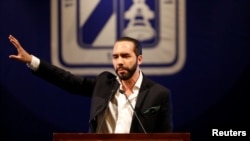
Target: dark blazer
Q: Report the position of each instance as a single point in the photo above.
(153, 105)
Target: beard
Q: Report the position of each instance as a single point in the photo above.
(129, 74)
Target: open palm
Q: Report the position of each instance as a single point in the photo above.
(22, 55)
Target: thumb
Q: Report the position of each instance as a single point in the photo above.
(13, 57)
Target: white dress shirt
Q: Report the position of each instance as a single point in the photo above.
(125, 111)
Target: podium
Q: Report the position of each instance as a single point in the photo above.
(121, 137)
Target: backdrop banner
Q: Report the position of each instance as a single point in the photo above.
(198, 49)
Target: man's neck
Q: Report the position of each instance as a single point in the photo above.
(129, 84)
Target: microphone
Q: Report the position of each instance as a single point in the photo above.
(122, 92)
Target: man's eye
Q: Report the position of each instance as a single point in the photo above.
(125, 56)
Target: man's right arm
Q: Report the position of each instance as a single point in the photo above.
(55, 75)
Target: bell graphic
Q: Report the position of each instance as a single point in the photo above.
(139, 26)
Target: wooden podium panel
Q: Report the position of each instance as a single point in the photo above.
(121, 137)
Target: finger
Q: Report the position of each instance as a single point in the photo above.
(15, 42)
(13, 57)
(12, 38)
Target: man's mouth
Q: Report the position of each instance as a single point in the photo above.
(121, 70)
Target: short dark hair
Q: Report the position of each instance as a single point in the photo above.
(137, 48)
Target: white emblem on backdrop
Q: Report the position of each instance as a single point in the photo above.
(83, 33)
(139, 26)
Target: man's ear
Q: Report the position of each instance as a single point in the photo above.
(139, 59)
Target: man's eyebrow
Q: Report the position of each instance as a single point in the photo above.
(120, 54)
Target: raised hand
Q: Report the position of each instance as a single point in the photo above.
(22, 55)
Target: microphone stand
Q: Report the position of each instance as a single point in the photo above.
(122, 92)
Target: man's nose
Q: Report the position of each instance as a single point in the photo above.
(120, 60)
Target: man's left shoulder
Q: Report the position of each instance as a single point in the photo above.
(155, 85)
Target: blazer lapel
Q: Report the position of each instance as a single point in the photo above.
(140, 98)
(143, 91)
(98, 103)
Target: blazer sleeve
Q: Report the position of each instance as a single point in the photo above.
(65, 79)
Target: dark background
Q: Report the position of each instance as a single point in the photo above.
(210, 92)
